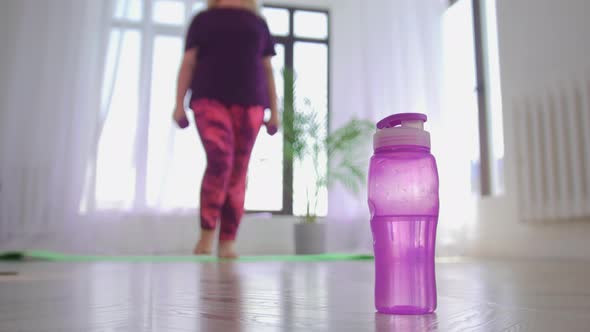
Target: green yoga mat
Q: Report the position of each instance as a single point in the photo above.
(59, 257)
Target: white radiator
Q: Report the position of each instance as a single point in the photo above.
(552, 141)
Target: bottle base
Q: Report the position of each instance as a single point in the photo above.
(405, 310)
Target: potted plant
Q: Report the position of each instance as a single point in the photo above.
(306, 138)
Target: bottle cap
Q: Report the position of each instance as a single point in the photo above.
(402, 129)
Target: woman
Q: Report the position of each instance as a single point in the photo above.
(227, 67)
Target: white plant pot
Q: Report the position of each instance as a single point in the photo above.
(310, 238)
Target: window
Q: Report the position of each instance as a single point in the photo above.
(494, 97)
(460, 95)
(143, 162)
(472, 46)
(302, 38)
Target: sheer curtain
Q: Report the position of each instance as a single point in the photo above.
(50, 85)
(405, 64)
(77, 174)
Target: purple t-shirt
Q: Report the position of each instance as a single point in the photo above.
(231, 43)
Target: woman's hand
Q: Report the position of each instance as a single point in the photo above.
(180, 117)
(272, 126)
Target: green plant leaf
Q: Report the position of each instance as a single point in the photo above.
(306, 136)
(349, 136)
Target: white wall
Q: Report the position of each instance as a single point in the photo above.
(541, 43)
(174, 234)
(8, 26)
(319, 4)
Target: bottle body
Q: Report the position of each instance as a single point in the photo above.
(404, 204)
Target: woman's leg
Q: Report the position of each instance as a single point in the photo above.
(214, 124)
(246, 125)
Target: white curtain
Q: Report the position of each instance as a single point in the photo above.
(52, 68)
(49, 105)
(402, 62)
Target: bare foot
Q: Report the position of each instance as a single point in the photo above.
(226, 250)
(205, 244)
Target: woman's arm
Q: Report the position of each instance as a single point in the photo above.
(185, 75)
(273, 124)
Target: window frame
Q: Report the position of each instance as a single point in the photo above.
(483, 97)
(288, 42)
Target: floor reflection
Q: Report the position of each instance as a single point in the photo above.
(406, 323)
(220, 298)
(279, 296)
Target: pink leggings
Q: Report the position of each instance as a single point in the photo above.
(228, 136)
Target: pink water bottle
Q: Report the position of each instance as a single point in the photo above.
(403, 200)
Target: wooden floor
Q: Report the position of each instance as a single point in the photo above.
(336, 296)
